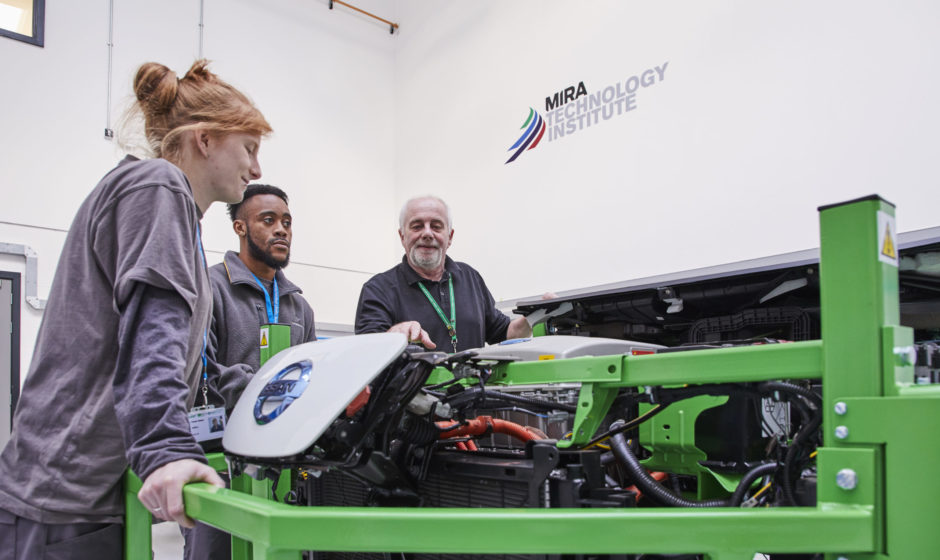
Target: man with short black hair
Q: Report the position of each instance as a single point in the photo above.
(440, 303)
(249, 289)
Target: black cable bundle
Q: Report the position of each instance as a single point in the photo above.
(649, 485)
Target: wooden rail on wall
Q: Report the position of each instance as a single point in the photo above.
(391, 26)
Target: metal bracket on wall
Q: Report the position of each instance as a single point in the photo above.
(32, 272)
(391, 26)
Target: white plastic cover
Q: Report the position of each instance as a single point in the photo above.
(559, 347)
(294, 412)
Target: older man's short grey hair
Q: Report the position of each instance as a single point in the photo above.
(404, 209)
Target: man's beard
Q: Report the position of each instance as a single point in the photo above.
(427, 263)
(267, 258)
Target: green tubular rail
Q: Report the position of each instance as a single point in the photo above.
(887, 510)
(286, 529)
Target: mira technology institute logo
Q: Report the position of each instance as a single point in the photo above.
(573, 109)
(532, 135)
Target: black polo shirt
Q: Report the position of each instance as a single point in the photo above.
(394, 296)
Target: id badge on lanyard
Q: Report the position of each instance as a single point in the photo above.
(207, 422)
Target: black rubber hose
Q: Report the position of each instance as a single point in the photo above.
(441, 385)
(810, 395)
(737, 498)
(807, 432)
(674, 482)
(649, 485)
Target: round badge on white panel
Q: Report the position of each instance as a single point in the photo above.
(282, 390)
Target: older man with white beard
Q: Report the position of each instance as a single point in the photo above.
(435, 301)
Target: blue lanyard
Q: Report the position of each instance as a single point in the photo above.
(205, 333)
(276, 311)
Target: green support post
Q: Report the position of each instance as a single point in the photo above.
(859, 297)
(137, 521)
(867, 359)
(274, 337)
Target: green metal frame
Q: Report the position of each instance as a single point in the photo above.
(890, 512)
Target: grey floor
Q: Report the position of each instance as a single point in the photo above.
(167, 542)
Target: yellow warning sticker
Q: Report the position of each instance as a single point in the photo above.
(547, 357)
(265, 336)
(887, 246)
(887, 239)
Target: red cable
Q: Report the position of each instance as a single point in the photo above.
(487, 424)
(658, 476)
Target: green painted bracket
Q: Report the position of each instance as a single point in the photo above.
(670, 437)
(901, 431)
(439, 375)
(593, 402)
(898, 355)
(852, 476)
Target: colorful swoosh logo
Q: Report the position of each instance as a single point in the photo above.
(534, 129)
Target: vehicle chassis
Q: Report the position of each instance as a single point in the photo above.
(877, 496)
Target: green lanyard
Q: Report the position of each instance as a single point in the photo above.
(452, 324)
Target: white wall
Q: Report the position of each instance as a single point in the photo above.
(767, 110)
(322, 78)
